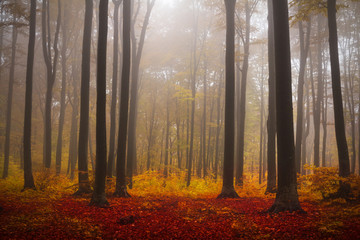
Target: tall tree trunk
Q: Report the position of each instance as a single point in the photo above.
(98, 197)
(28, 177)
(62, 94)
(242, 105)
(271, 122)
(261, 160)
(228, 190)
(120, 188)
(114, 89)
(10, 98)
(218, 128)
(84, 138)
(178, 138)
(204, 124)
(319, 98)
(286, 195)
(51, 65)
(304, 49)
(166, 162)
(151, 129)
(74, 125)
(343, 154)
(324, 125)
(193, 93)
(306, 129)
(136, 58)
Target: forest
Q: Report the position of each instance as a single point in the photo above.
(179, 119)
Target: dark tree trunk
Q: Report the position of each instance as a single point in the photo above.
(286, 196)
(271, 122)
(319, 99)
(228, 190)
(10, 99)
(218, 129)
(28, 177)
(324, 124)
(114, 89)
(59, 144)
(84, 183)
(99, 198)
(120, 188)
(193, 93)
(136, 58)
(304, 49)
(51, 65)
(74, 125)
(166, 162)
(242, 104)
(343, 154)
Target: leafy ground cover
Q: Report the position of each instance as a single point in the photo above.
(162, 209)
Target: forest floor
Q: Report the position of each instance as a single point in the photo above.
(167, 210)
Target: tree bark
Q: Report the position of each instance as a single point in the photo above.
(286, 196)
(28, 177)
(343, 154)
(271, 122)
(10, 98)
(120, 188)
(84, 183)
(51, 65)
(99, 198)
(228, 190)
(114, 90)
(59, 144)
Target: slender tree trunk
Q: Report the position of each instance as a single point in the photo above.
(114, 90)
(343, 154)
(242, 105)
(286, 195)
(166, 162)
(178, 138)
(304, 49)
(74, 125)
(261, 160)
(271, 122)
(99, 198)
(136, 58)
(306, 128)
(218, 129)
(228, 190)
(204, 124)
(84, 134)
(319, 97)
(324, 125)
(151, 129)
(51, 65)
(120, 188)
(59, 144)
(10, 98)
(28, 177)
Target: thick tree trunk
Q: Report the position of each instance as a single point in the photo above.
(28, 177)
(228, 190)
(120, 188)
(99, 198)
(286, 195)
(271, 122)
(343, 154)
